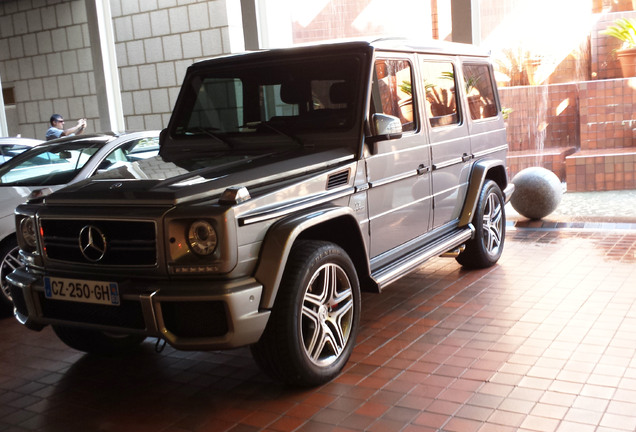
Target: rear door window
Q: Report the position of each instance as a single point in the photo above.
(479, 91)
(441, 94)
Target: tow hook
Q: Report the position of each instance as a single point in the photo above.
(160, 345)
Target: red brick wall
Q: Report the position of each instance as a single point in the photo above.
(608, 113)
(541, 116)
(598, 121)
(604, 63)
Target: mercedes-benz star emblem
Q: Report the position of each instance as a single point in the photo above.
(92, 243)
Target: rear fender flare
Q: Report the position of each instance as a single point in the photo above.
(482, 170)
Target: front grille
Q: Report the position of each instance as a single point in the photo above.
(127, 243)
(127, 315)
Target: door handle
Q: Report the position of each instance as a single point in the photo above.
(466, 157)
(423, 169)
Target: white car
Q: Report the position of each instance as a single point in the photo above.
(13, 146)
(53, 165)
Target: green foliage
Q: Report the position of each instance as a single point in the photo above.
(406, 87)
(623, 29)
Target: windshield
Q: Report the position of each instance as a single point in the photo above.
(49, 165)
(288, 99)
(8, 151)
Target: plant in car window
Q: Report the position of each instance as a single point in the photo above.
(406, 87)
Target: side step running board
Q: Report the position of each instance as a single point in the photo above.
(407, 263)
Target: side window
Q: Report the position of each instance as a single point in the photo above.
(480, 91)
(392, 91)
(439, 85)
(132, 151)
(143, 148)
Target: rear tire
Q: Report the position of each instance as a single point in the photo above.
(486, 247)
(312, 329)
(96, 341)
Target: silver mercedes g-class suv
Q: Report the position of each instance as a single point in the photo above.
(287, 181)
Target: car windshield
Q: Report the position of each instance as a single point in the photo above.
(49, 164)
(8, 151)
(288, 99)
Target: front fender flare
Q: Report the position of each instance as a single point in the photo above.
(278, 243)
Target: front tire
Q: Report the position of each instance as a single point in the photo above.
(486, 247)
(10, 260)
(312, 329)
(97, 342)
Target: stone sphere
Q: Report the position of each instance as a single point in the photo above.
(538, 192)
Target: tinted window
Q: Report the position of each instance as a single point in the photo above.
(392, 91)
(441, 98)
(298, 95)
(480, 91)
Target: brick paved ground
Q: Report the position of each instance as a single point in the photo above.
(544, 341)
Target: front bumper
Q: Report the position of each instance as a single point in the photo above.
(184, 313)
(508, 191)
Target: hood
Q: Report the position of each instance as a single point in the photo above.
(157, 182)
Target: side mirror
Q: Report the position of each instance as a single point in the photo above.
(385, 127)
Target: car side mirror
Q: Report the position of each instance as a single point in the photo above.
(385, 127)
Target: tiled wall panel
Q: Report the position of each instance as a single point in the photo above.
(45, 55)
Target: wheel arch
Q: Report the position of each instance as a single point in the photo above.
(337, 225)
(489, 169)
(8, 238)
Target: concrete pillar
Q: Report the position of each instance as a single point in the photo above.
(111, 114)
(466, 22)
(4, 130)
(249, 14)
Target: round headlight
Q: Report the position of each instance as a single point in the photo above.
(27, 229)
(202, 237)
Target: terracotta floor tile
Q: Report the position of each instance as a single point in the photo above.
(578, 415)
(542, 424)
(503, 349)
(570, 426)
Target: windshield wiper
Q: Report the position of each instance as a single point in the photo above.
(257, 124)
(209, 131)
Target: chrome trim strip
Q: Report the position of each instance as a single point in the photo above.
(442, 192)
(488, 132)
(416, 202)
(395, 178)
(492, 150)
(396, 209)
(444, 142)
(294, 207)
(363, 187)
(446, 164)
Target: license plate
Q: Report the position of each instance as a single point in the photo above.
(83, 291)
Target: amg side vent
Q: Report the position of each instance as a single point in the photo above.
(338, 179)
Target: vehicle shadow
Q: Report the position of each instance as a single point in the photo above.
(153, 391)
(5, 311)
